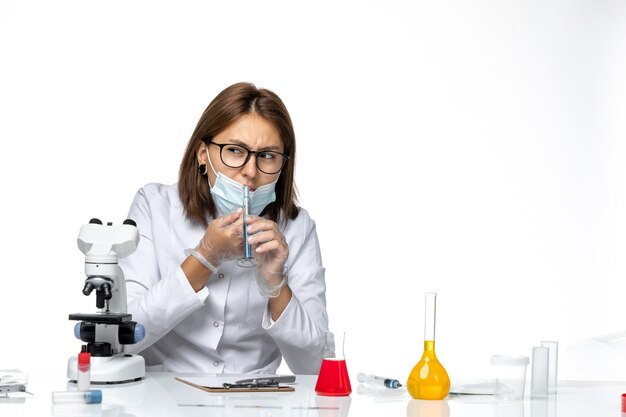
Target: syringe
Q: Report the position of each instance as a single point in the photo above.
(378, 380)
(247, 261)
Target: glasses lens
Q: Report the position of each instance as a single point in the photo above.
(269, 162)
(236, 156)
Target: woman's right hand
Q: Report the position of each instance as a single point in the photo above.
(223, 239)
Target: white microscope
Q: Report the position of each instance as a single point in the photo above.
(110, 328)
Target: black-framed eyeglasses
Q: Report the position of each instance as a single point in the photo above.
(236, 156)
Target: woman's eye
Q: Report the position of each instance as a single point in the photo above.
(266, 155)
(235, 151)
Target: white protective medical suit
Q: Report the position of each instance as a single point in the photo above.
(225, 327)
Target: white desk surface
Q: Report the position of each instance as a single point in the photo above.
(160, 395)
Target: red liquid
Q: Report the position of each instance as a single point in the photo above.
(333, 379)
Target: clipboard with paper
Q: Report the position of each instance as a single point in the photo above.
(231, 385)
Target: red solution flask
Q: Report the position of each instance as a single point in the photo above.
(333, 379)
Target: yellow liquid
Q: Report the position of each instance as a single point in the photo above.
(428, 379)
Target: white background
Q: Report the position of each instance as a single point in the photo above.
(473, 148)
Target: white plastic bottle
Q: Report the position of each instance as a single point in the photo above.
(84, 371)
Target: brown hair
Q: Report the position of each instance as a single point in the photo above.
(228, 106)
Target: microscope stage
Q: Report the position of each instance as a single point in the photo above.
(108, 318)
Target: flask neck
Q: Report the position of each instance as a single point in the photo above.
(429, 316)
(429, 353)
(429, 345)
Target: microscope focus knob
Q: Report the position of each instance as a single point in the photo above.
(130, 222)
(130, 333)
(100, 349)
(95, 221)
(85, 331)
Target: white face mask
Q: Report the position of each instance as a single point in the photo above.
(228, 194)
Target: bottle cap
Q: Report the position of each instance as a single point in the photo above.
(84, 358)
(93, 396)
(623, 403)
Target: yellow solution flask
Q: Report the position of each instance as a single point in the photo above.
(428, 379)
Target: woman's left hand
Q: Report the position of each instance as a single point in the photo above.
(269, 247)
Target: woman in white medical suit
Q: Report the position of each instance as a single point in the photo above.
(203, 312)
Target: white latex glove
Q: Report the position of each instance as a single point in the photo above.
(270, 251)
(222, 240)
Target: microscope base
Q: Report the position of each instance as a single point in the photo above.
(115, 369)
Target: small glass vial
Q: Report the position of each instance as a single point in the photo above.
(247, 261)
(83, 379)
(93, 396)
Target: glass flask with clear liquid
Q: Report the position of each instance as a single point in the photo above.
(428, 379)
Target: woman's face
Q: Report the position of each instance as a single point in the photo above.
(255, 134)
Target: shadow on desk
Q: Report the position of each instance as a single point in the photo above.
(599, 358)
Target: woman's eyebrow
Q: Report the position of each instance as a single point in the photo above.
(276, 148)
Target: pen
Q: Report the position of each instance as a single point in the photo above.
(287, 379)
(378, 380)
